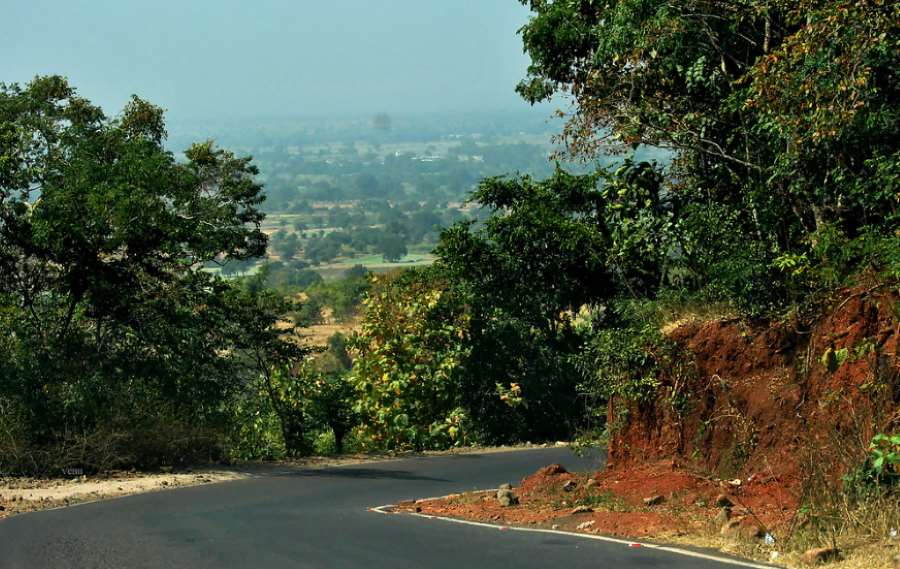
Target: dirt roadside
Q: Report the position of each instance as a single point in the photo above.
(658, 503)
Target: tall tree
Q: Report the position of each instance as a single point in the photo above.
(103, 236)
(782, 114)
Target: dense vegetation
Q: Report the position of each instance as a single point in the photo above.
(119, 345)
(783, 186)
(116, 348)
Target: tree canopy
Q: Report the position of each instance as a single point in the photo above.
(782, 114)
(105, 313)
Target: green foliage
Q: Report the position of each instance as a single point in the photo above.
(407, 365)
(117, 347)
(833, 359)
(392, 247)
(884, 456)
(623, 364)
(333, 397)
(563, 242)
(256, 429)
(626, 357)
(114, 340)
(881, 466)
(782, 116)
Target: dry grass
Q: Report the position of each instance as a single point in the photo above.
(675, 316)
(861, 556)
(318, 334)
(675, 311)
(861, 531)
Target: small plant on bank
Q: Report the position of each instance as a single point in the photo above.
(881, 466)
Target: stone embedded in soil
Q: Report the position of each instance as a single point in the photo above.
(820, 555)
(506, 498)
(585, 525)
(654, 500)
(750, 532)
(731, 528)
(723, 501)
(741, 528)
(552, 470)
(582, 510)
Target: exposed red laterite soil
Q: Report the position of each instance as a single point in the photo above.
(617, 498)
(772, 401)
(544, 502)
(767, 410)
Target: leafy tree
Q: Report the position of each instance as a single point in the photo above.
(368, 186)
(286, 245)
(264, 338)
(781, 114)
(111, 324)
(333, 395)
(322, 250)
(382, 121)
(356, 272)
(407, 363)
(392, 247)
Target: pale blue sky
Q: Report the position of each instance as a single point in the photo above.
(213, 58)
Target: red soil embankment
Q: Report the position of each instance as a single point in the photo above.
(771, 402)
(762, 414)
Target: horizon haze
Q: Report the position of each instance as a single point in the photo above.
(211, 60)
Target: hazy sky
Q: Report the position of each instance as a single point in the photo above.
(213, 58)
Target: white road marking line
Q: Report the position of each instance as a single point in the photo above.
(667, 548)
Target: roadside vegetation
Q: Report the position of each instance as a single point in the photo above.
(141, 323)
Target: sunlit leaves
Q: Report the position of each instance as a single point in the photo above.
(409, 354)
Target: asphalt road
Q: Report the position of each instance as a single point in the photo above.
(315, 519)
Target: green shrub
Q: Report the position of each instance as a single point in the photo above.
(881, 466)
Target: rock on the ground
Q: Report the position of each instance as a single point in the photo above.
(723, 501)
(569, 485)
(584, 525)
(751, 531)
(552, 470)
(506, 498)
(582, 510)
(654, 500)
(821, 555)
(723, 517)
(739, 528)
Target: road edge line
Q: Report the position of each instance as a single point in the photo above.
(385, 510)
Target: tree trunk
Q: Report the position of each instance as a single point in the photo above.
(294, 436)
(339, 433)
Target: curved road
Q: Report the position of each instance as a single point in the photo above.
(314, 518)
